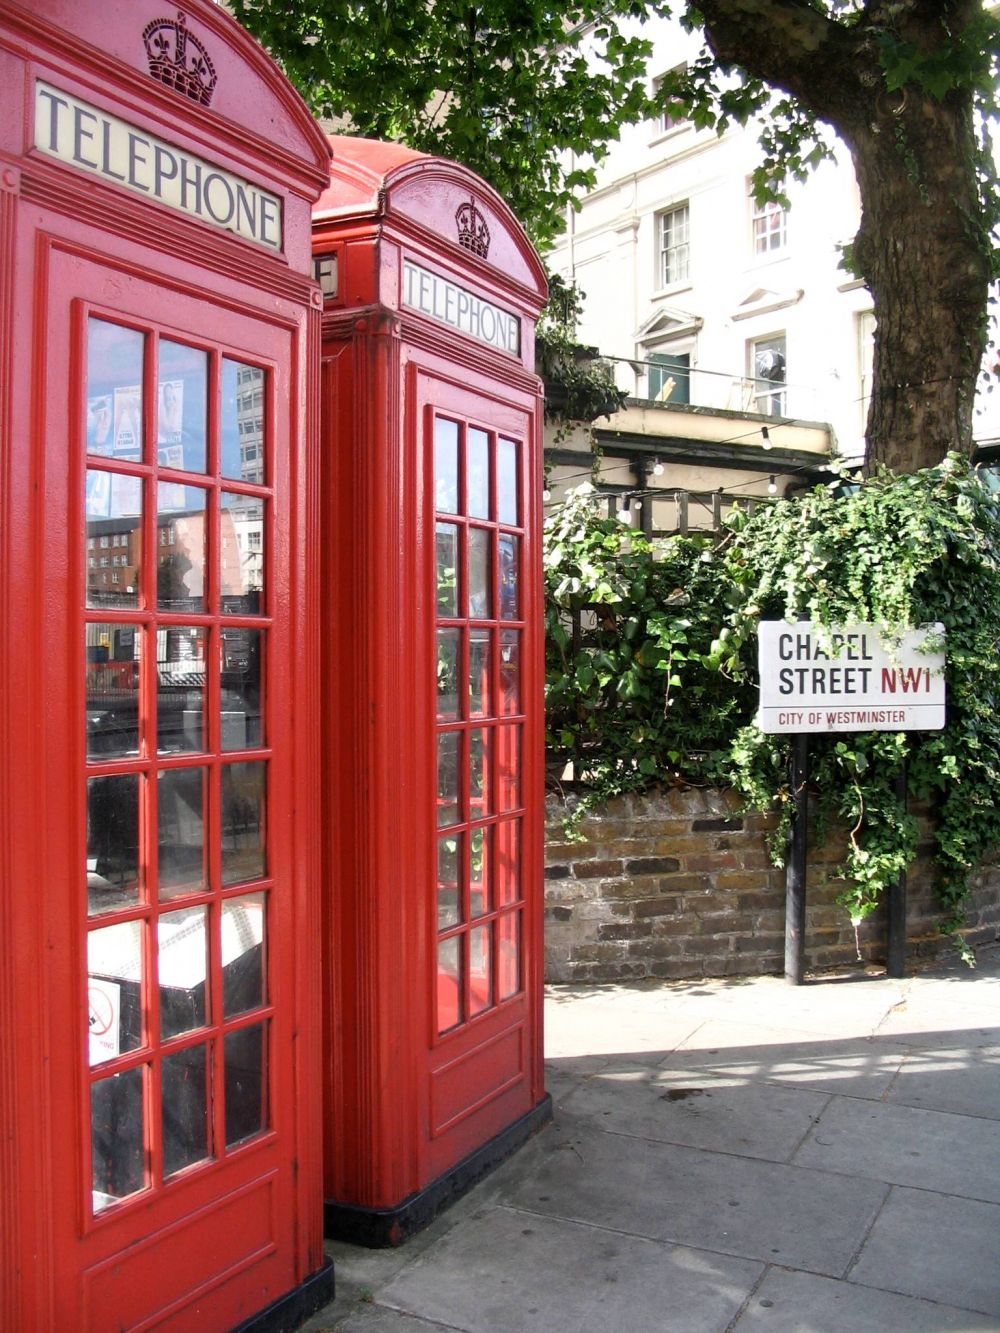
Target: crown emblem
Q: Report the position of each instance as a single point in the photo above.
(473, 232)
(178, 59)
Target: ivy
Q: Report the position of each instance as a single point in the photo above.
(659, 683)
(579, 386)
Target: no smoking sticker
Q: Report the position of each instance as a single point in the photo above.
(103, 1019)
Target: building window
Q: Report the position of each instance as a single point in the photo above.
(669, 377)
(767, 371)
(770, 227)
(866, 363)
(674, 246)
(673, 115)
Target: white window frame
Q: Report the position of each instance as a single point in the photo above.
(768, 228)
(769, 397)
(674, 260)
(866, 365)
(665, 124)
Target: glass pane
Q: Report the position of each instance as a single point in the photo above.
(242, 723)
(479, 573)
(447, 569)
(509, 959)
(509, 577)
(449, 983)
(244, 792)
(445, 466)
(183, 969)
(509, 766)
(181, 832)
(180, 697)
(480, 970)
(118, 1137)
(241, 554)
(246, 1088)
(181, 409)
(477, 473)
(449, 909)
(507, 507)
(112, 843)
(112, 686)
(447, 777)
(114, 990)
(180, 547)
(480, 794)
(184, 1106)
(448, 645)
(510, 671)
(479, 872)
(480, 694)
(242, 422)
(114, 538)
(508, 836)
(242, 954)
(114, 390)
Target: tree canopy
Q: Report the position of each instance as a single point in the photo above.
(530, 95)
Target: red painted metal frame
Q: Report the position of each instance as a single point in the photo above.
(393, 1126)
(69, 243)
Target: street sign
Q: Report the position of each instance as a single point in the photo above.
(815, 678)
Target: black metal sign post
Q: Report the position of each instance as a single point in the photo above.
(896, 904)
(795, 865)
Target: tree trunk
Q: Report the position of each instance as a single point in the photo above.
(922, 247)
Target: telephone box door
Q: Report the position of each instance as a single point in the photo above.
(171, 890)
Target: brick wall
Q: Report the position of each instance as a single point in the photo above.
(678, 884)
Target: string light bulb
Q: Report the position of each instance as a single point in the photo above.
(767, 437)
(657, 468)
(546, 495)
(772, 486)
(625, 510)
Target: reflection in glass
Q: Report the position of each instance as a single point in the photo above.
(448, 887)
(181, 831)
(112, 690)
(507, 481)
(114, 990)
(184, 1108)
(510, 671)
(242, 723)
(448, 644)
(509, 766)
(508, 838)
(114, 390)
(180, 547)
(244, 793)
(112, 842)
(114, 538)
(480, 795)
(449, 983)
(479, 573)
(479, 872)
(447, 777)
(480, 970)
(117, 1137)
(182, 954)
(241, 554)
(447, 569)
(480, 695)
(245, 1058)
(242, 422)
(180, 689)
(445, 466)
(509, 581)
(509, 954)
(242, 954)
(477, 473)
(182, 377)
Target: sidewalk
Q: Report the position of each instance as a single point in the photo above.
(730, 1155)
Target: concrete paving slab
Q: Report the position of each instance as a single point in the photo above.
(515, 1272)
(803, 1303)
(903, 1145)
(936, 1247)
(367, 1317)
(952, 1079)
(725, 1113)
(616, 1031)
(940, 1019)
(732, 1205)
(857, 1067)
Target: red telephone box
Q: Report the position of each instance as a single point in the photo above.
(432, 657)
(159, 972)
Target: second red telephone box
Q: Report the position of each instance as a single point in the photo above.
(432, 659)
